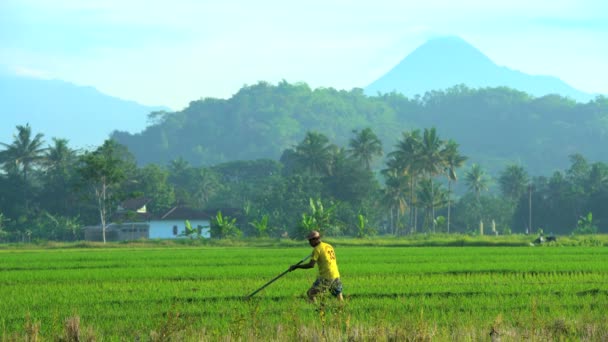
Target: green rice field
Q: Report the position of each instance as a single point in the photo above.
(186, 293)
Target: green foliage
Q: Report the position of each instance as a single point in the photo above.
(153, 183)
(363, 229)
(103, 171)
(224, 227)
(3, 233)
(314, 154)
(477, 180)
(189, 231)
(261, 226)
(470, 210)
(263, 120)
(318, 218)
(441, 223)
(513, 182)
(585, 225)
(412, 199)
(364, 146)
(24, 153)
(58, 228)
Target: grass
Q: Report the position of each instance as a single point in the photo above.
(416, 240)
(159, 291)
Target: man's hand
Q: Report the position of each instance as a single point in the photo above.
(292, 267)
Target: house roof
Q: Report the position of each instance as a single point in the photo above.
(134, 203)
(185, 213)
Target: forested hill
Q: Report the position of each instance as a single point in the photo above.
(494, 126)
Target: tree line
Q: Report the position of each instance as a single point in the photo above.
(50, 191)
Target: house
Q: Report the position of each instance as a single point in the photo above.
(132, 221)
(172, 224)
(118, 232)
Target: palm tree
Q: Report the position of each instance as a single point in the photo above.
(364, 146)
(431, 159)
(513, 182)
(405, 160)
(180, 176)
(453, 160)
(206, 185)
(23, 154)
(431, 196)
(394, 196)
(477, 181)
(315, 153)
(59, 176)
(59, 157)
(179, 171)
(598, 177)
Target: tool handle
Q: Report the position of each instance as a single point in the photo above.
(275, 278)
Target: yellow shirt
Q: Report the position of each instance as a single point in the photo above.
(325, 257)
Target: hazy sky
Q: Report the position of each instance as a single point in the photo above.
(173, 52)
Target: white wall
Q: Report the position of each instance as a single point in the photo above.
(164, 229)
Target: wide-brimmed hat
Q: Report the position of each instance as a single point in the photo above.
(313, 235)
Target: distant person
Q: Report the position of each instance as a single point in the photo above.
(329, 277)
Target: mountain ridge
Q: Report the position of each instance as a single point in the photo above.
(444, 62)
(60, 109)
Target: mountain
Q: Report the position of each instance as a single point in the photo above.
(58, 109)
(448, 61)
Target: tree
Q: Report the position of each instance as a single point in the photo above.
(365, 146)
(470, 210)
(25, 151)
(314, 154)
(59, 178)
(578, 172)
(453, 160)
(431, 160)
(205, 185)
(23, 154)
(431, 196)
(585, 225)
(152, 182)
(180, 175)
(103, 170)
(260, 226)
(513, 182)
(3, 233)
(362, 227)
(598, 178)
(319, 218)
(223, 227)
(405, 160)
(477, 181)
(394, 196)
(285, 199)
(349, 182)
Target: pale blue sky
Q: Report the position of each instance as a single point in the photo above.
(172, 52)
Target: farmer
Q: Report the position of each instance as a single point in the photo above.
(329, 276)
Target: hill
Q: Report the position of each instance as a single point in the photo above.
(83, 115)
(494, 126)
(444, 62)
